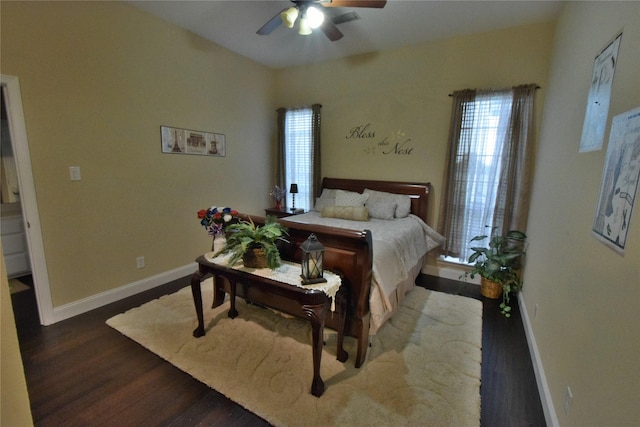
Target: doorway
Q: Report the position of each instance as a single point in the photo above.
(12, 104)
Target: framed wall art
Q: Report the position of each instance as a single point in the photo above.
(597, 111)
(619, 188)
(184, 141)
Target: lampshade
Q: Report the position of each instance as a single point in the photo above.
(289, 17)
(304, 29)
(293, 189)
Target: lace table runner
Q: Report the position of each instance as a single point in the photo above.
(288, 273)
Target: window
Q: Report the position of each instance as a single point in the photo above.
(299, 136)
(489, 163)
(298, 155)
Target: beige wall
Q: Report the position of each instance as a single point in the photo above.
(588, 297)
(98, 80)
(403, 95)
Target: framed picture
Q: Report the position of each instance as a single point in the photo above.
(184, 141)
(595, 117)
(619, 187)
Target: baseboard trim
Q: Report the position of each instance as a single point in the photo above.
(543, 387)
(96, 301)
(448, 270)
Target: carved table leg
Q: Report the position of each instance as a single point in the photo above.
(196, 278)
(316, 314)
(233, 313)
(218, 292)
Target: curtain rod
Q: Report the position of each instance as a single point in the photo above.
(537, 87)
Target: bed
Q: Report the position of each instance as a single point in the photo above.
(378, 258)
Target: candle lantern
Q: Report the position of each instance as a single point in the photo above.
(312, 261)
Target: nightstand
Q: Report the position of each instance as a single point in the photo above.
(281, 213)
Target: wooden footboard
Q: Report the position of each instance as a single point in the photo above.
(348, 253)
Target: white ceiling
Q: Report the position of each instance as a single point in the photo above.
(233, 25)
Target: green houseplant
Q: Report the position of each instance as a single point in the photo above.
(499, 264)
(249, 241)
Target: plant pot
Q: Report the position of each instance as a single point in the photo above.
(490, 289)
(255, 258)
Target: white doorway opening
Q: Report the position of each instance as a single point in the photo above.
(20, 145)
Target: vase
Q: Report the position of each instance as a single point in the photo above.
(490, 289)
(279, 205)
(255, 258)
(219, 242)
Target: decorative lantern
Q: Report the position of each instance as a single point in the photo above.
(312, 261)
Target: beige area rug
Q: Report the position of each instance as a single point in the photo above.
(16, 286)
(422, 369)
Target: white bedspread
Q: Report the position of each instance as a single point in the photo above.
(398, 245)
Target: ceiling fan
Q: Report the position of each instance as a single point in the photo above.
(311, 17)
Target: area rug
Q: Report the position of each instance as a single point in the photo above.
(422, 368)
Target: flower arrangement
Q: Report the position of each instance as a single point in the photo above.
(216, 219)
(278, 194)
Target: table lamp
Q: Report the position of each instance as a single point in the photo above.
(293, 190)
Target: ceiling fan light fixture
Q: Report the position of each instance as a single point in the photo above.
(314, 17)
(289, 17)
(304, 29)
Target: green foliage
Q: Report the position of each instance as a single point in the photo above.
(245, 235)
(500, 262)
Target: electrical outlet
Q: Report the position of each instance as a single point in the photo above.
(140, 262)
(568, 398)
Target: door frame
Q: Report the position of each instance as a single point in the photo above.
(30, 213)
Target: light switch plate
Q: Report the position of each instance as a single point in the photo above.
(74, 173)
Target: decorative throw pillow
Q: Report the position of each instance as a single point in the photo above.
(402, 201)
(404, 205)
(327, 198)
(381, 209)
(322, 202)
(355, 213)
(350, 198)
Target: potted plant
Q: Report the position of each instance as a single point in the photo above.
(499, 266)
(256, 245)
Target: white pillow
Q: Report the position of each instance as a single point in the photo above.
(350, 198)
(381, 209)
(402, 201)
(404, 205)
(327, 198)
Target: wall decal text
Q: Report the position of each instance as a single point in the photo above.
(394, 144)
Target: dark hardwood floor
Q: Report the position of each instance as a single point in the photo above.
(81, 372)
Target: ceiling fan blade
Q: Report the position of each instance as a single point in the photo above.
(378, 4)
(331, 31)
(271, 25)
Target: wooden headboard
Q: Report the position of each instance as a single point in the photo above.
(419, 192)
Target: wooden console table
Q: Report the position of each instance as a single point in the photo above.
(266, 287)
